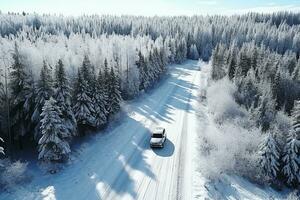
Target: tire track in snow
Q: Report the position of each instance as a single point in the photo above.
(183, 141)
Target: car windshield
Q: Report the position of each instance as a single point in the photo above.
(157, 135)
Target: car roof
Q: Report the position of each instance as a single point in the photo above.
(158, 130)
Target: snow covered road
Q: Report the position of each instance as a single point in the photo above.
(119, 164)
(156, 173)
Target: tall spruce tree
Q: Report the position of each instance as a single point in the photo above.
(106, 82)
(52, 145)
(114, 94)
(87, 72)
(29, 106)
(62, 95)
(100, 102)
(296, 72)
(151, 69)
(269, 156)
(244, 62)
(1, 148)
(231, 68)
(291, 159)
(142, 71)
(154, 62)
(232, 63)
(296, 118)
(83, 105)
(218, 63)
(193, 52)
(277, 91)
(44, 92)
(163, 59)
(265, 112)
(20, 89)
(248, 90)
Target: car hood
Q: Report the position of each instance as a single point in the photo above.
(156, 140)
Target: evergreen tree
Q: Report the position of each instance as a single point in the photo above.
(218, 63)
(152, 74)
(1, 148)
(269, 156)
(88, 74)
(296, 118)
(83, 106)
(44, 92)
(29, 106)
(163, 61)
(155, 65)
(189, 43)
(248, 90)
(52, 145)
(181, 49)
(172, 48)
(232, 63)
(142, 67)
(62, 95)
(231, 68)
(254, 58)
(114, 94)
(193, 52)
(265, 112)
(106, 82)
(244, 62)
(290, 61)
(296, 72)
(291, 158)
(87, 71)
(100, 102)
(20, 89)
(4, 115)
(215, 63)
(277, 90)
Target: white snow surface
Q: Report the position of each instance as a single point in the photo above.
(119, 164)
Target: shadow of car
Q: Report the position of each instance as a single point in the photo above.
(167, 151)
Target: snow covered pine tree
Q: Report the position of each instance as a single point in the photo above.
(1, 148)
(100, 102)
(62, 94)
(291, 159)
(52, 145)
(83, 106)
(114, 93)
(143, 72)
(19, 86)
(269, 156)
(44, 92)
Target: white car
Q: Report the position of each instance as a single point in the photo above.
(158, 137)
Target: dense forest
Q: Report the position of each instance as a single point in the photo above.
(62, 77)
(268, 87)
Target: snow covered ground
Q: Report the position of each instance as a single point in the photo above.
(118, 163)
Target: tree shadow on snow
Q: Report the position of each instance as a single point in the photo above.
(175, 94)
